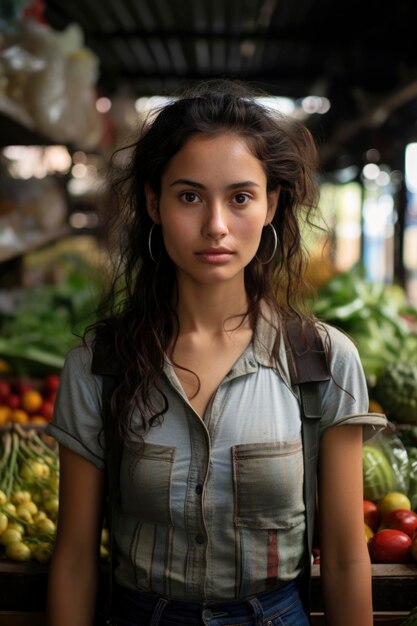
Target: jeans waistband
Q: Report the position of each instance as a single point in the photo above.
(128, 603)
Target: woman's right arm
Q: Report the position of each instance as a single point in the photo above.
(73, 574)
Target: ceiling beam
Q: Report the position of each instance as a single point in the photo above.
(377, 113)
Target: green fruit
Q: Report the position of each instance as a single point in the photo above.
(43, 552)
(4, 521)
(378, 474)
(10, 535)
(396, 391)
(18, 551)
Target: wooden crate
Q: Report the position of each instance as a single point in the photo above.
(394, 591)
(395, 618)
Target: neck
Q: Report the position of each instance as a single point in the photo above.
(212, 309)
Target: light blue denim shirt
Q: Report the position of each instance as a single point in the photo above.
(214, 509)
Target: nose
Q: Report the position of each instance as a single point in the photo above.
(215, 226)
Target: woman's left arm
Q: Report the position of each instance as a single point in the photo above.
(344, 559)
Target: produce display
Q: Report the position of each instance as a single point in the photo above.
(29, 483)
(391, 529)
(388, 465)
(40, 324)
(383, 326)
(29, 480)
(377, 317)
(22, 402)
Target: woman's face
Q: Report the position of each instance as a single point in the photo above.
(212, 208)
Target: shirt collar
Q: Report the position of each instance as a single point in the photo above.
(263, 343)
(258, 353)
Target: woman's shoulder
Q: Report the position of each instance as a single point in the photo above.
(79, 357)
(337, 340)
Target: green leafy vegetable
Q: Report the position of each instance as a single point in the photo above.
(49, 321)
(378, 318)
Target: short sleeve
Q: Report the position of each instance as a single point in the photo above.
(345, 398)
(76, 422)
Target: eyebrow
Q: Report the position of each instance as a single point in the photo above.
(196, 185)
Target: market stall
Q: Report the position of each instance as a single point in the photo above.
(50, 277)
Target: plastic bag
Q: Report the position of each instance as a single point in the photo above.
(385, 465)
(50, 77)
(412, 468)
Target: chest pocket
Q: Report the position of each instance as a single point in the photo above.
(268, 484)
(145, 483)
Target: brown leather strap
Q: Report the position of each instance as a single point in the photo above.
(309, 370)
(307, 358)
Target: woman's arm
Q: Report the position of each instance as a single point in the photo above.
(344, 560)
(73, 575)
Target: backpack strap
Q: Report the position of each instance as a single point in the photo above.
(309, 370)
(104, 364)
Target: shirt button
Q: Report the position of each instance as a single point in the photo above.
(199, 490)
(199, 539)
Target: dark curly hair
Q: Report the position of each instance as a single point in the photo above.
(137, 315)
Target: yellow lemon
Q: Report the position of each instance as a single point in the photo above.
(368, 532)
(392, 501)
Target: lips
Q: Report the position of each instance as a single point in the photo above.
(215, 255)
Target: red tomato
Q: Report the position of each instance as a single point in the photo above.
(46, 410)
(13, 401)
(390, 546)
(400, 519)
(5, 390)
(51, 383)
(372, 515)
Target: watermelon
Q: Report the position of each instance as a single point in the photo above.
(378, 475)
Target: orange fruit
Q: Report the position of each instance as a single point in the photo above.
(4, 414)
(31, 401)
(4, 367)
(375, 407)
(19, 416)
(38, 419)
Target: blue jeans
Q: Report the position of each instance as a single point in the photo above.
(281, 607)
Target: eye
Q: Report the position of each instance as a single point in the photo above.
(241, 198)
(190, 197)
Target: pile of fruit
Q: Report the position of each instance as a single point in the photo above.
(29, 478)
(391, 529)
(24, 401)
(29, 482)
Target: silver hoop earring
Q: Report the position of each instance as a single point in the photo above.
(150, 243)
(274, 232)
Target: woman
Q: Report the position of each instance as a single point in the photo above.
(210, 523)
